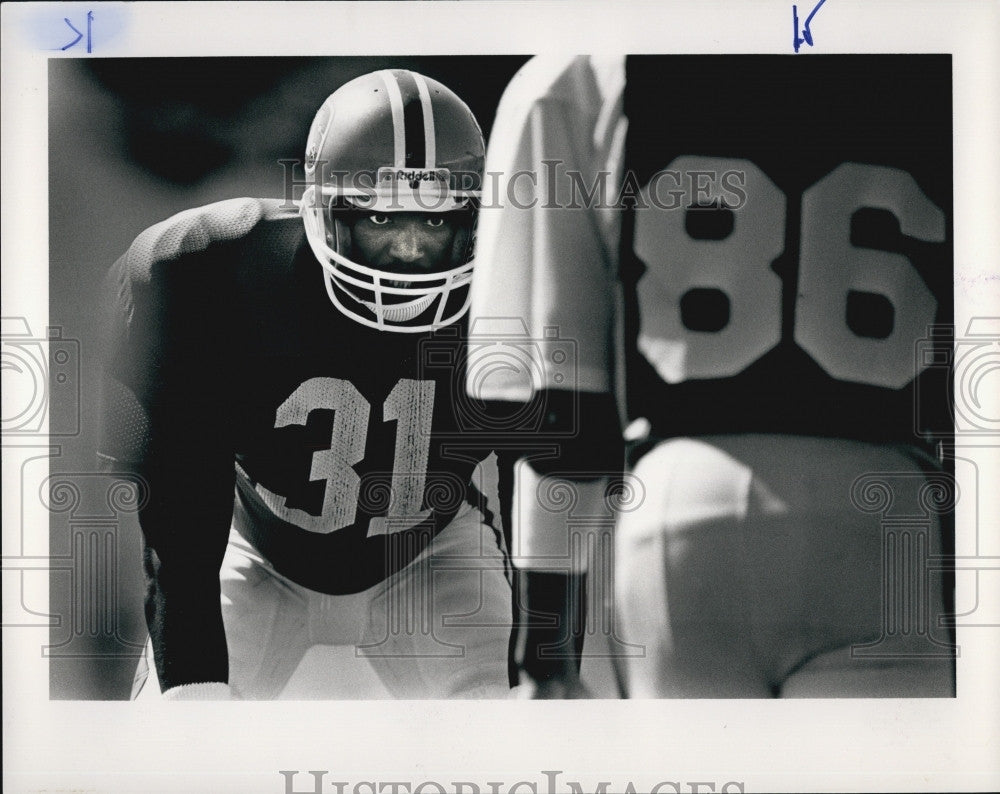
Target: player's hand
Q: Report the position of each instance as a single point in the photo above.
(214, 690)
(555, 688)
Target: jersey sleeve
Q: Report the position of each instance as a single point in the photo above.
(547, 239)
(545, 296)
(164, 420)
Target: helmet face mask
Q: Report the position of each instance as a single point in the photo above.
(393, 142)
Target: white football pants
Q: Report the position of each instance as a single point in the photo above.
(438, 628)
(783, 566)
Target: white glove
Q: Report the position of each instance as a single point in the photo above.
(209, 690)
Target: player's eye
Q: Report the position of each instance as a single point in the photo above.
(379, 219)
(435, 223)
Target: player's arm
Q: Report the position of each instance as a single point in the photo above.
(163, 423)
(560, 508)
(544, 289)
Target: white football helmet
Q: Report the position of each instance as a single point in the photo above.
(392, 141)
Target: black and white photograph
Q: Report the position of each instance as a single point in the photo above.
(372, 376)
(281, 123)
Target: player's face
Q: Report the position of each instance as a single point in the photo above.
(406, 242)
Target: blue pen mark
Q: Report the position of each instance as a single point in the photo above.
(806, 33)
(72, 29)
(79, 34)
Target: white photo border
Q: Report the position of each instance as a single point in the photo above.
(817, 745)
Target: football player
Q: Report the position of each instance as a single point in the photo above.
(303, 357)
(752, 254)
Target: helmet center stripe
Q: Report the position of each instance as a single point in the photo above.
(413, 120)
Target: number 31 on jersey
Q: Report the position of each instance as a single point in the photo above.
(409, 404)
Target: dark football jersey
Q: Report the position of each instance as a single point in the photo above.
(729, 245)
(228, 364)
(787, 265)
(778, 229)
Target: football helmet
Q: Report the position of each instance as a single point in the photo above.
(392, 141)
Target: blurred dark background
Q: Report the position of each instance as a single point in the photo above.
(131, 142)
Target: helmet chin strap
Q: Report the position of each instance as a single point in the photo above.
(393, 312)
(401, 312)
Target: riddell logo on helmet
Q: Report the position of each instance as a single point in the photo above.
(414, 176)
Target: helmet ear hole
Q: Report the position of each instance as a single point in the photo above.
(460, 247)
(341, 232)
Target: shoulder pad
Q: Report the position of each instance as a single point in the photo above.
(193, 230)
(279, 209)
(581, 82)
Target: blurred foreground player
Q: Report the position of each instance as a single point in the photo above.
(240, 362)
(751, 254)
